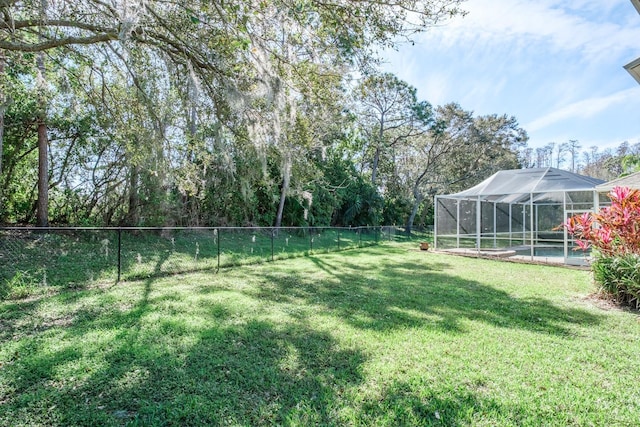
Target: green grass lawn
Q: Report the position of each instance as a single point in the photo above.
(380, 336)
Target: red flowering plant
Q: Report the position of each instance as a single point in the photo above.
(614, 235)
(615, 229)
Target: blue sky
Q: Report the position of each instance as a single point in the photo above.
(556, 65)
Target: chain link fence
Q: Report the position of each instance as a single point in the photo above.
(74, 257)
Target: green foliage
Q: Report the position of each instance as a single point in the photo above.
(619, 276)
(21, 285)
(359, 202)
(294, 213)
(325, 202)
(630, 164)
(397, 206)
(424, 218)
(614, 235)
(342, 196)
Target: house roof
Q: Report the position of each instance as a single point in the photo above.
(512, 186)
(631, 181)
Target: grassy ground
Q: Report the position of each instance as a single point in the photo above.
(382, 336)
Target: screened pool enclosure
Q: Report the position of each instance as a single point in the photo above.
(516, 213)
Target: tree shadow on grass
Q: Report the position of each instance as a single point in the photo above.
(390, 296)
(20, 318)
(249, 372)
(160, 361)
(416, 403)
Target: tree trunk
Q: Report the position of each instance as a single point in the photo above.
(418, 198)
(414, 211)
(376, 155)
(374, 169)
(286, 180)
(2, 109)
(133, 213)
(42, 215)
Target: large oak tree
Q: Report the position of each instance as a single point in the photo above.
(253, 64)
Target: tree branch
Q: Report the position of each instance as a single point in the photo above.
(50, 44)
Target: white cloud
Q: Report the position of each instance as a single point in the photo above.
(555, 24)
(556, 64)
(584, 109)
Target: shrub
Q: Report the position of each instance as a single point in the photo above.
(613, 233)
(619, 276)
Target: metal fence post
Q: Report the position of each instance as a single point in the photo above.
(273, 231)
(359, 237)
(338, 239)
(119, 253)
(310, 240)
(219, 233)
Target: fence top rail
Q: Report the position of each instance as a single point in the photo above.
(16, 228)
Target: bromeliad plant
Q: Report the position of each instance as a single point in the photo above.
(613, 233)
